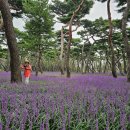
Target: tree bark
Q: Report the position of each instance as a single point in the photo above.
(124, 62)
(68, 52)
(110, 41)
(82, 59)
(61, 54)
(78, 66)
(120, 68)
(106, 63)
(1, 22)
(125, 37)
(38, 65)
(70, 38)
(40, 62)
(11, 42)
(92, 66)
(100, 65)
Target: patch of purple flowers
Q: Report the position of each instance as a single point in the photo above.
(83, 102)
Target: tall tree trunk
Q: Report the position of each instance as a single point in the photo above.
(120, 68)
(68, 51)
(124, 61)
(110, 41)
(85, 67)
(92, 66)
(70, 37)
(100, 65)
(8, 61)
(106, 63)
(78, 66)
(38, 65)
(40, 62)
(11, 42)
(1, 22)
(73, 64)
(82, 58)
(125, 37)
(106, 66)
(61, 53)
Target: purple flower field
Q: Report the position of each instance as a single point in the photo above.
(50, 102)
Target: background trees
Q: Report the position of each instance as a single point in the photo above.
(124, 7)
(70, 13)
(39, 29)
(125, 37)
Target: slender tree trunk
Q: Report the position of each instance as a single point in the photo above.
(70, 38)
(120, 68)
(110, 41)
(11, 42)
(125, 37)
(100, 65)
(40, 62)
(1, 22)
(78, 66)
(37, 63)
(106, 64)
(68, 51)
(73, 64)
(85, 67)
(82, 57)
(61, 54)
(105, 68)
(124, 62)
(92, 65)
(38, 67)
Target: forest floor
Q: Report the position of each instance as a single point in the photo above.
(82, 102)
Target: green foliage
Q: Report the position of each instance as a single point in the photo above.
(40, 20)
(3, 52)
(120, 4)
(65, 9)
(50, 54)
(16, 5)
(38, 28)
(95, 37)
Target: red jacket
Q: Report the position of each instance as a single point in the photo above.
(27, 70)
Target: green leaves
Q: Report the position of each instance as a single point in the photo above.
(65, 9)
(16, 5)
(40, 21)
(120, 4)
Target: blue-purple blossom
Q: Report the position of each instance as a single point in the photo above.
(51, 102)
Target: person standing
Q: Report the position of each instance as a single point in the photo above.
(27, 71)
